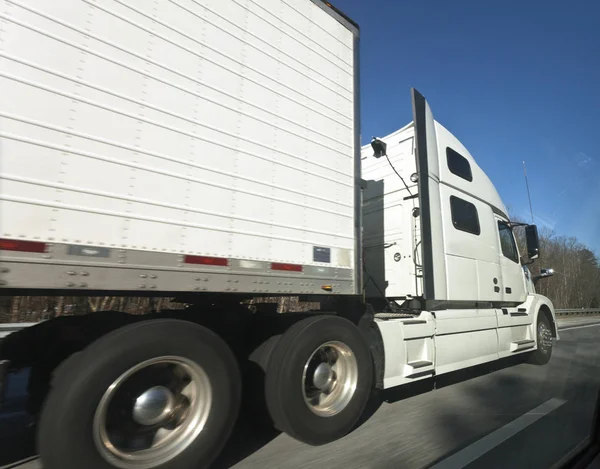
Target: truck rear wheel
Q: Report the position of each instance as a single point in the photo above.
(319, 379)
(159, 394)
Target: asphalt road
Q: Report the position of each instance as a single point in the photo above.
(517, 416)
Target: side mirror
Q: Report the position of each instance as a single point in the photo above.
(544, 273)
(379, 147)
(533, 242)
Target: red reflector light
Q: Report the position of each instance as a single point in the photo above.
(286, 267)
(206, 260)
(22, 246)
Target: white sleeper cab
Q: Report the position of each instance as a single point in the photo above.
(437, 237)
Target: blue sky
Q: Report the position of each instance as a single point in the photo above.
(513, 80)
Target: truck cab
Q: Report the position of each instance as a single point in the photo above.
(438, 239)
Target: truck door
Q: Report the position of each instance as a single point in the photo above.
(513, 281)
(514, 317)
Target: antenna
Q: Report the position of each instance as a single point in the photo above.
(528, 194)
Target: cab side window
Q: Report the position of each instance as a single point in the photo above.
(507, 242)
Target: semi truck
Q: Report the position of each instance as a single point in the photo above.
(210, 151)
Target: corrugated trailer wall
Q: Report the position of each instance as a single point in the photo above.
(219, 129)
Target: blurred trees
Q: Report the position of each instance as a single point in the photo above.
(38, 308)
(576, 280)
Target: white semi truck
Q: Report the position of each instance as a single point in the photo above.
(210, 150)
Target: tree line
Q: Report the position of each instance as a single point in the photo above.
(17, 309)
(576, 279)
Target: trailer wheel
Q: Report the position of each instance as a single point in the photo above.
(542, 355)
(159, 394)
(319, 379)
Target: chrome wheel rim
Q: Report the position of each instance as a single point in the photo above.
(330, 378)
(152, 412)
(544, 338)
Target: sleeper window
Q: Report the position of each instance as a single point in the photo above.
(458, 164)
(464, 216)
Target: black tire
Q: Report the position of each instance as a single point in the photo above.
(542, 355)
(65, 431)
(284, 388)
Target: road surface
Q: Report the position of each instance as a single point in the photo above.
(520, 416)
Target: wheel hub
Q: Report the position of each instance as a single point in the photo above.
(323, 377)
(152, 412)
(330, 378)
(153, 406)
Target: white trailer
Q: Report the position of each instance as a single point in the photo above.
(210, 150)
(146, 143)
